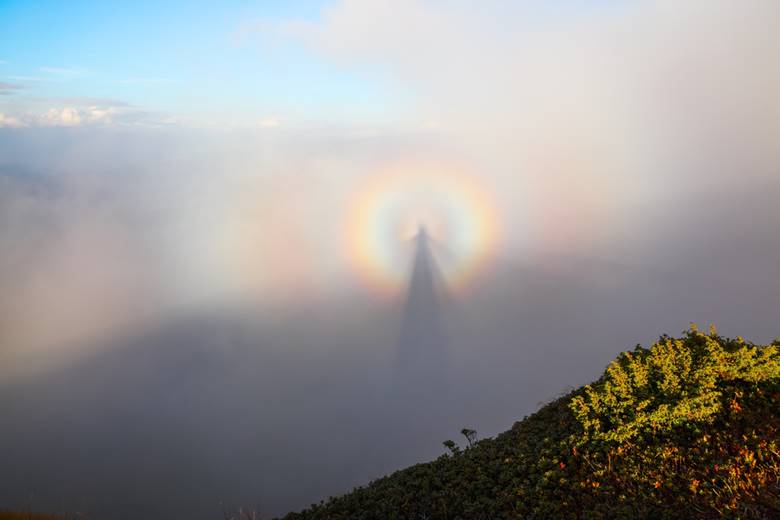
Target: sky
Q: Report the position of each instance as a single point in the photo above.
(195, 61)
(210, 214)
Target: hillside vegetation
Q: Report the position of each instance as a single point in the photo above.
(688, 428)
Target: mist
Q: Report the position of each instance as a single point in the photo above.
(195, 315)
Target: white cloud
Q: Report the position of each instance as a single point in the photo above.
(67, 116)
(76, 116)
(600, 108)
(8, 121)
(76, 112)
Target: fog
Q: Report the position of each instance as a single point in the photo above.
(134, 388)
(196, 317)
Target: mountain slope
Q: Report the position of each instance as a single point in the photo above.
(687, 428)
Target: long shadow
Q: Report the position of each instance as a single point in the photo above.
(423, 356)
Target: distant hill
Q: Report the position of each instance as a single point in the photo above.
(688, 428)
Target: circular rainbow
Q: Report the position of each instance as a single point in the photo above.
(395, 203)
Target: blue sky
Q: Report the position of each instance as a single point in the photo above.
(233, 61)
(182, 58)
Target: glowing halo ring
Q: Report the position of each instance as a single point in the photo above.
(390, 208)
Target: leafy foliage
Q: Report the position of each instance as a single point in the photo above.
(689, 427)
(678, 381)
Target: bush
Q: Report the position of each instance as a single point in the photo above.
(675, 382)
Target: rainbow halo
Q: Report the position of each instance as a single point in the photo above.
(396, 202)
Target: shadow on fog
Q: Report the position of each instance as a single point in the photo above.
(423, 344)
(277, 411)
(232, 408)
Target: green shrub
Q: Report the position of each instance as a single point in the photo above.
(675, 382)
